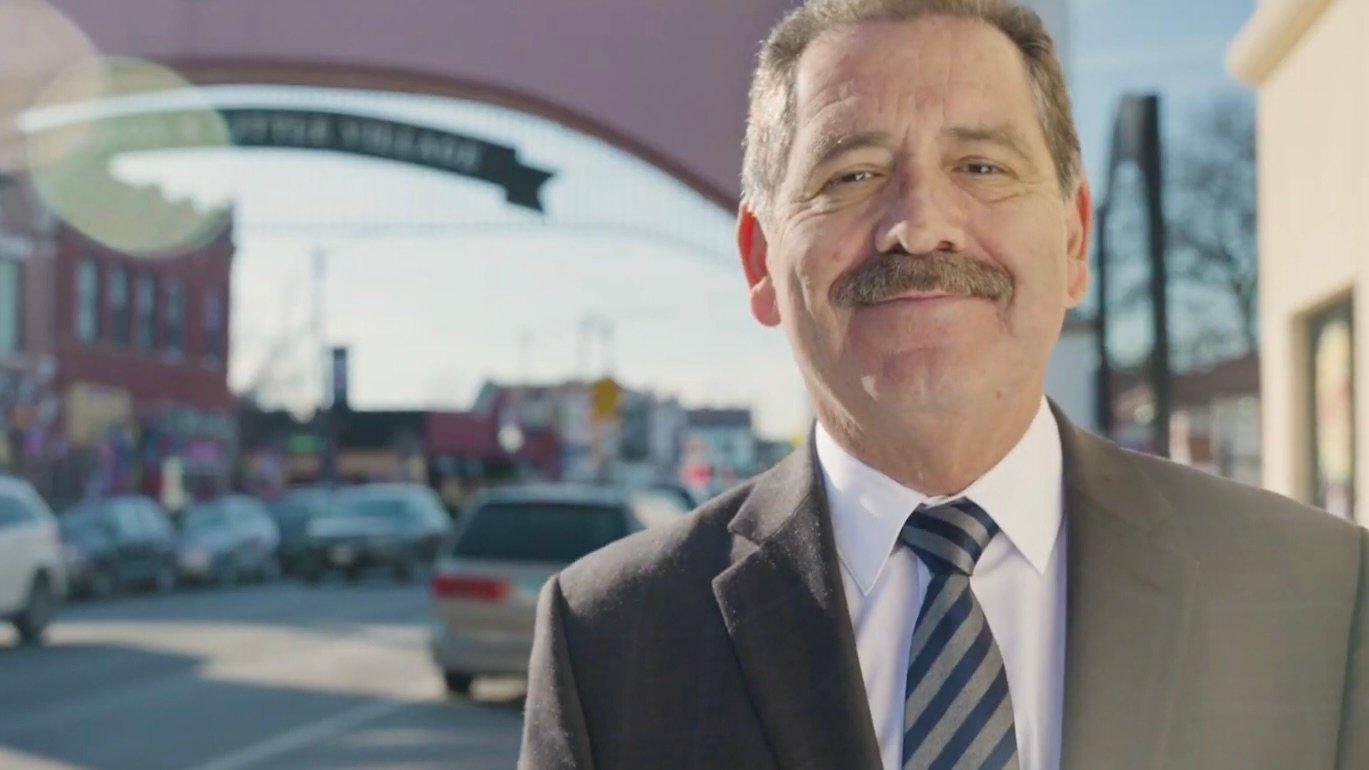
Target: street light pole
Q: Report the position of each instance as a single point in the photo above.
(1136, 138)
(328, 472)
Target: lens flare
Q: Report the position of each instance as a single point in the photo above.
(37, 45)
(142, 107)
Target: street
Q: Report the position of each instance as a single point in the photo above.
(274, 676)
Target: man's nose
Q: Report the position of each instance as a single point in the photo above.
(922, 217)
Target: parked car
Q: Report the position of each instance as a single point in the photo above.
(292, 513)
(32, 580)
(510, 542)
(681, 493)
(398, 526)
(228, 540)
(116, 543)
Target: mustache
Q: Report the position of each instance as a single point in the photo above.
(893, 274)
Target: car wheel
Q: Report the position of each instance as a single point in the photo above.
(33, 620)
(271, 571)
(458, 682)
(404, 569)
(165, 579)
(227, 574)
(102, 583)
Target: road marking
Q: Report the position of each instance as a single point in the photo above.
(315, 731)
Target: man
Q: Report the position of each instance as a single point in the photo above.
(948, 574)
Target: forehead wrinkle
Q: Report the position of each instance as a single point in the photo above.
(834, 142)
(856, 106)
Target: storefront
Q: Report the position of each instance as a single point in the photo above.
(1308, 60)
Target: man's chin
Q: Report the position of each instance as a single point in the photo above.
(912, 388)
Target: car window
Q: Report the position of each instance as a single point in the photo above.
(82, 518)
(127, 519)
(558, 532)
(14, 510)
(428, 510)
(154, 521)
(205, 516)
(299, 506)
(654, 508)
(377, 506)
(241, 513)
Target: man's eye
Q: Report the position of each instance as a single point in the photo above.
(850, 177)
(981, 169)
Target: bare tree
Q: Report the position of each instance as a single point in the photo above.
(1212, 254)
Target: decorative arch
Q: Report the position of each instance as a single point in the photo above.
(207, 72)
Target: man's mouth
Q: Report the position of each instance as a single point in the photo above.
(920, 296)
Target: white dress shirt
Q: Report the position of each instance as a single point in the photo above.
(1019, 581)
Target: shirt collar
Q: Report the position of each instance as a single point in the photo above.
(1022, 493)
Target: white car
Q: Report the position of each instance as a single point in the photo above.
(512, 540)
(32, 580)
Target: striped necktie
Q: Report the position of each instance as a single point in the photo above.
(957, 713)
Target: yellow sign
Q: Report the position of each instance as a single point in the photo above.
(92, 409)
(604, 395)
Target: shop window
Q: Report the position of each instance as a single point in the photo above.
(146, 312)
(88, 300)
(174, 319)
(117, 295)
(1332, 405)
(9, 306)
(213, 326)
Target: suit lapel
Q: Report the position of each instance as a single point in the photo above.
(785, 610)
(1129, 595)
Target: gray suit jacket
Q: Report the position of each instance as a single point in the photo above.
(1210, 625)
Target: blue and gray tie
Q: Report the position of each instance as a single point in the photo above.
(957, 713)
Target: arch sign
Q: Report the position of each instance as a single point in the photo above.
(313, 129)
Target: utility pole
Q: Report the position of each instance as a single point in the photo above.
(1136, 139)
(1103, 404)
(328, 471)
(524, 355)
(592, 326)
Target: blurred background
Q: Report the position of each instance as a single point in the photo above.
(330, 328)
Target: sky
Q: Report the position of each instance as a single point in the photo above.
(1176, 48)
(437, 285)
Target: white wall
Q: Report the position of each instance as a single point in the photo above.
(1314, 228)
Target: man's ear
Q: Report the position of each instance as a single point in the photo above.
(754, 250)
(1079, 230)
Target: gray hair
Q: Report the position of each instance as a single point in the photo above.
(770, 126)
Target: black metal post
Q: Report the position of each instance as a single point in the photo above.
(1152, 168)
(1104, 381)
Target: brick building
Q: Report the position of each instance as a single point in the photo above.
(121, 361)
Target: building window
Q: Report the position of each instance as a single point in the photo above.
(88, 300)
(214, 325)
(174, 332)
(147, 312)
(9, 306)
(117, 295)
(1332, 401)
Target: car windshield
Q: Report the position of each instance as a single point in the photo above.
(298, 506)
(376, 507)
(80, 519)
(554, 532)
(205, 517)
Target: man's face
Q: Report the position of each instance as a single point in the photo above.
(918, 252)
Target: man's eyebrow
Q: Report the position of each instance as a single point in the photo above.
(833, 143)
(1002, 135)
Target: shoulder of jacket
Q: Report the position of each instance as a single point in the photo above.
(663, 557)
